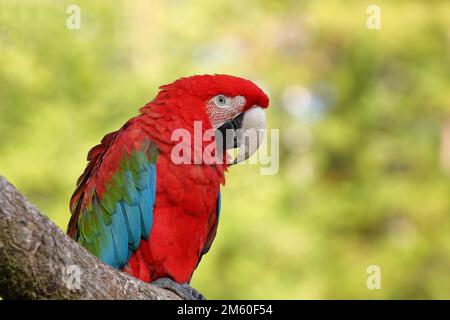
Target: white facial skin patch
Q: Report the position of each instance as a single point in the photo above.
(222, 108)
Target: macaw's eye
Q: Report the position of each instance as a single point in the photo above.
(221, 100)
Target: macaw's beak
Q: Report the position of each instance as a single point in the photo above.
(246, 132)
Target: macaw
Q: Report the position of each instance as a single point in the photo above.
(137, 207)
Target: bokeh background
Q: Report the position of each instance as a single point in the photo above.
(364, 119)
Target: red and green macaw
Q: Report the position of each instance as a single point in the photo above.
(141, 212)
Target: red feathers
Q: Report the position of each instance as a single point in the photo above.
(185, 209)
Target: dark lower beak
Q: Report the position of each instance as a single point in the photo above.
(227, 135)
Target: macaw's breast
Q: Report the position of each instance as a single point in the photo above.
(184, 218)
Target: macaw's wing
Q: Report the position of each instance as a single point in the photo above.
(212, 227)
(112, 207)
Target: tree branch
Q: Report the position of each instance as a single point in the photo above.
(38, 261)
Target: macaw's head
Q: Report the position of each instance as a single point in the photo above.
(232, 106)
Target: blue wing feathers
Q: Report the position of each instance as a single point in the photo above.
(133, 222)
(134, 214)
(106, 241)
(120, 236)
(147, 200)
(112, 228)
(146, 212)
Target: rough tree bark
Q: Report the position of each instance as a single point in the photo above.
(38, 261)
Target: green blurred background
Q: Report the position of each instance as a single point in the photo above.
(364, 118)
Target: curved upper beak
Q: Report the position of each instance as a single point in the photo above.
(246, 132)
